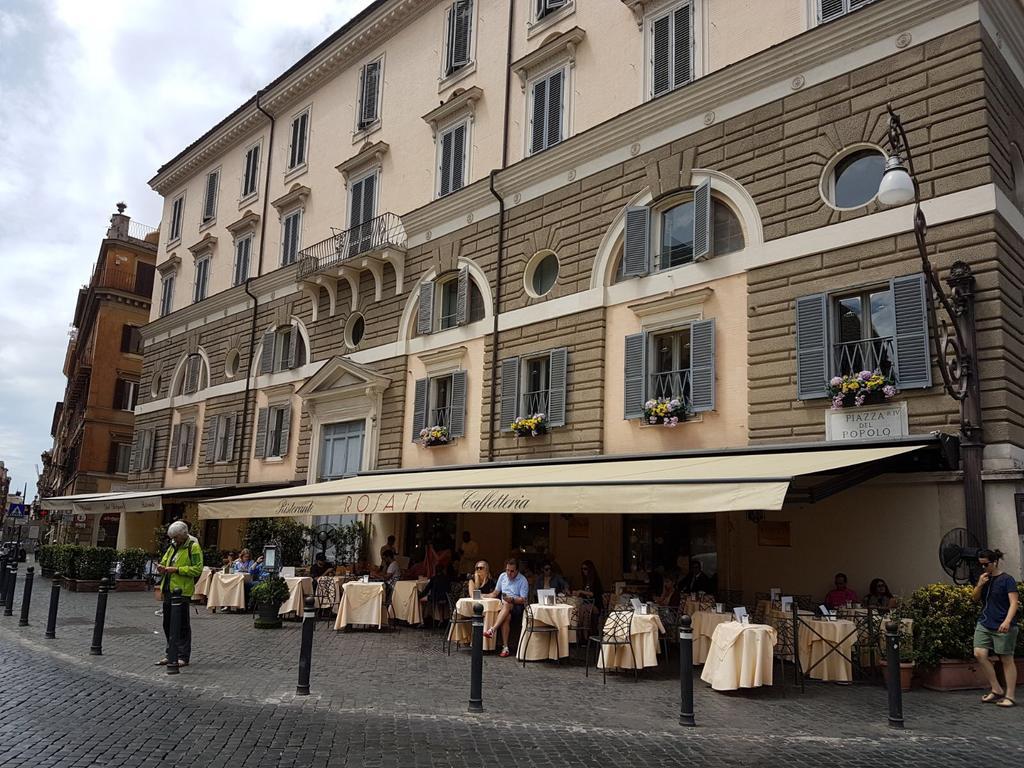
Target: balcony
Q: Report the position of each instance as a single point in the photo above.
(139, 283)
(343, 255)
(878, 354)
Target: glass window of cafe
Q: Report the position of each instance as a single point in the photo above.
(667, 543)
(531, 537)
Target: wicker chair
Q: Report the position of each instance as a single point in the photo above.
(534, 627)
(616, 629)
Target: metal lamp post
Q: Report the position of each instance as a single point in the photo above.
(955, 347)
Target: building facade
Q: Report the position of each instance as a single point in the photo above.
(93, 425)
(456, 214)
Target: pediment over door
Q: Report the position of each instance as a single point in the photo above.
(340, 378)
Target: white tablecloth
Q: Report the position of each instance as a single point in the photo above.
(299, 587)
(704, 623)
(406, 601)
(203, 582)
(227, 590)
(463, 633)
(643, 631)
(546, 645)
(740, 657)
(361, 604)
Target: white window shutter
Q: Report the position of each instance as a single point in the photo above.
(462, 303)
(369, 82)
(702, 221)
(812, 346)
(557, 363)
(509, 392)
(636, 244)
(702, 366)
(457, 416)
(635, 376)
(425, 312)
(210, 203)
(445, 169)
(913, 358)
(419, 407)
(830, 9)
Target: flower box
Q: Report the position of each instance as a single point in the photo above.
(530, 426)
(435, 435)
(664, 411)
(858, 389)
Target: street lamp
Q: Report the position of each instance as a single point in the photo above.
(956, 346)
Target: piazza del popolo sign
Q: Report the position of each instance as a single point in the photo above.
(883, 422)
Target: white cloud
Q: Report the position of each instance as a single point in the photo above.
(95, 97)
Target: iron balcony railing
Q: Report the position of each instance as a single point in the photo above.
(384, 231)
(140, 231)
(670, 384)
(865, 355)
(534, 402)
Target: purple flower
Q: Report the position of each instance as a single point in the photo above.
(889, 390)
(864, 375)
(837, 402)
(836, 381)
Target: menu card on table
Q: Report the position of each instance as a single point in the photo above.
(741, 614)
(787, 603)
(546, 596)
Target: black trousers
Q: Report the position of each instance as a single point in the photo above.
(185, 640)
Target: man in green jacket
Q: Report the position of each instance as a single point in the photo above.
(179, 568)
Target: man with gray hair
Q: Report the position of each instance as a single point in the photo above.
(179, 568)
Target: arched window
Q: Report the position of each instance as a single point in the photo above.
(448, 301)
(284, 348)
(193, 375)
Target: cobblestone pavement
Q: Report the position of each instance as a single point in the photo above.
(382, 699)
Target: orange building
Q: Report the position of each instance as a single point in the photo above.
(92, 426)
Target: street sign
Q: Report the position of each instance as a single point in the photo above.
(16, 510)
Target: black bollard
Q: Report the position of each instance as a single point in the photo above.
(686, 671)
(51, 619)
(476, 664)
(3, 575)
(798, 670)
(26, 597)
(892, 637)
(12, 582)
(306, 647)
(96, 649)
(177, 606)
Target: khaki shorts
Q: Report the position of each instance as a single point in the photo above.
(1002, 644)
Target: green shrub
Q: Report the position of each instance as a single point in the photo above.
(46, 556)
(273, 590)
(65, 560)
(133, 562)
(944, 619)
(212, 557)
(94, 563)
(288, 534)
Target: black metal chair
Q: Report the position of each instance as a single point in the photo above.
(533, 626)
(670, 620)
(454, 619)
(325, 597)
(616, 629)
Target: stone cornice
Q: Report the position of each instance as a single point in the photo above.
(565, 43)
(169, 265)
(367, 155)
(246, 222)
(295, 196)
(457, 105)
(207, 244)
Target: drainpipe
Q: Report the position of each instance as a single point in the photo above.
(501, 236)
(249, 373)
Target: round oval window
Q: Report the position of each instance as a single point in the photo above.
(355, 328)
(545, 274)
(856, 178)
(231, 364)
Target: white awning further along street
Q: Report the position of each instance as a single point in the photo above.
(122, 501)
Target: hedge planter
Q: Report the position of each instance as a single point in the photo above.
(82, 585)
(130, 585)
(267, 616)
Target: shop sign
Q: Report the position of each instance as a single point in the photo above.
(884, 422)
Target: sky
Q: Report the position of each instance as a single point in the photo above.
(95, 95)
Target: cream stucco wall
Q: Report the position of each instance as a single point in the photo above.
(735, 29)
(276, 469)
(186, 478)
(724, 427)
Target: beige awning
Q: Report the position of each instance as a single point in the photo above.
(120, 501)
(686, 484)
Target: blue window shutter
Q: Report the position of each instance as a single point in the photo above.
(811, 346)
(636, 244)
(557, 363)
(913, 361)
(509, 392)
(702, 221)
(702, 366)
(419, 407)
(457, 419)
(635, 372)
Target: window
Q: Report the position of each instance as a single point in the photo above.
(533, 385)
(121, 458)
(182, 448)
(872, 328)
(299, 138)
(131, 340)
(362, 203)
(220, 438)
(833, 9)
(251, 173)
(232, 362)
(547, 112)
(167, 295)
(543, 8)
(243, 250)
(852, 180)
(451, 145)
(355, 328)
(126, 394)
(440, 401)
(449, 304)
(291, 228)
(671, 50)
(210, 198)
(679, 231)
(457, 300)
(177, 209)
(459, 25)
(202, 279)
(277, 434)
(283, 350)
(341, 450)
(541, 275)
(369, 94)
(535, 378)
(193, 375)
(674, 363)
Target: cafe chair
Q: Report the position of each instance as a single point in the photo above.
(389, 609)
(616, 629)
(325, 596)
(532, 626)
(670, 620)
(454, 618)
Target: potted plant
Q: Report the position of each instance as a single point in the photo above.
(435, 435)
(268, 595)
(131, 576)
(530, 426)
(865, 388)
(944, 619)
(665, 411)
(46, 558)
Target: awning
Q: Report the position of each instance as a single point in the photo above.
(123, 501)
(708, 482)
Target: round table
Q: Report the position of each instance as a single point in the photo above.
(643, 631)
(829, 651)
(704, 624)
(227, 590)
(299, 588)
(741, 656)
(534, 646)
(361, 603)
(462, 633)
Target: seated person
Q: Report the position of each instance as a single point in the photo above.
(841, 595)
(389, 570)
(549, 577)
(228, 563)
(669, 593)
(696, 580)
(592, 587)
(434, 596)
(321, 568)
(879, 596)
(481, 579)
(244, 563)
(513, 589)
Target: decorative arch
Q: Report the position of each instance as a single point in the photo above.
(476, 274)
(726, 187)
(293, 321)
(177, 377)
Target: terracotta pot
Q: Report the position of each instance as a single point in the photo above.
(130, 585)
(906, 673)
(82, 585)
(953, 675)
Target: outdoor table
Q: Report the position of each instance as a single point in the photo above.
(830, 652)
(643, 632)
(546, 645)
(361, 603)
(704, 623)
(741, 656)
(227, 590)
(405, 600)
(299, 587)
(203, 582)
(463, 633)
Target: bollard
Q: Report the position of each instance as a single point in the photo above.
(686, 671)
(892, 637)
(26, 597)
(306, 646)
(96, 649)
(4, 563)
(12, 581)
(798, 672)
(177, 606)
(476, 664)
(51, 619)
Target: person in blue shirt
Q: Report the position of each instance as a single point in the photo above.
(513, 589)
(997, 629)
